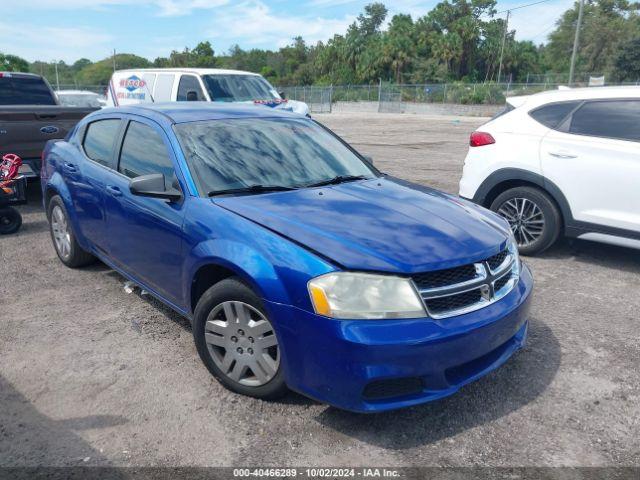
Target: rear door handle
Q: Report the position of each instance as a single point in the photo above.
(115, 191)
(562, 155)
(70, 167)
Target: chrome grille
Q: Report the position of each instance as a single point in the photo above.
(460, 290)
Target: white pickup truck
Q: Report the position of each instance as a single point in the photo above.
(128, 87)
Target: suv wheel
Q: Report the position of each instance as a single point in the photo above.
(64, 240)
(237, 342)
(534, 218)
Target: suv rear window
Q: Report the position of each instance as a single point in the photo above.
(99, 140)
(618, 119)
(24, 91)
(551, 115)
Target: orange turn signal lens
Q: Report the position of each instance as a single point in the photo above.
(320, 301)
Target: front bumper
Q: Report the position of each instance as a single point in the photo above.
(338, 361)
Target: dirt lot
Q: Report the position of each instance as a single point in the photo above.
(92, 376)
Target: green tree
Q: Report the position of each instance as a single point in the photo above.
(13, 63)
(607, 26)
(100, 72)
(627, 65)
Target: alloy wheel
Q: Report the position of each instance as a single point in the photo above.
(525, 218)
(242, 343)
(61, 233)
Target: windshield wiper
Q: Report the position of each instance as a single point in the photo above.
(250, 189)
(336, 180)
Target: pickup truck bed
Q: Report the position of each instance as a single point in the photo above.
(24, 127)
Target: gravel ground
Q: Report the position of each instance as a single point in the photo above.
(90, 375)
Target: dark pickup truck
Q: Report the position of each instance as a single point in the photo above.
(30, 115)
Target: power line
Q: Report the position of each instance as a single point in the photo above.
(522, 6)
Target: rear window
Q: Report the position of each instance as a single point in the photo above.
(609, 119)
(25, 91)
(99, 140)
(552, 115)
(508, 108)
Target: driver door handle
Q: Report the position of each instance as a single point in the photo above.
(562, 155)
(115, 191)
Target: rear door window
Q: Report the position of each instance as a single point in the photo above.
(25, 91)
(144, 152)
(99, 140)
(619, 119)
(189, 83)
(552, 115)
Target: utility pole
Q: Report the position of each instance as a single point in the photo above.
(575, 43)
(504, 39)
(55, 64)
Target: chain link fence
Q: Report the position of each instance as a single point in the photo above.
(399, 98)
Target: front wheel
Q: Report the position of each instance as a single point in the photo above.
(10, 220)
(533, 216)
(237, 342)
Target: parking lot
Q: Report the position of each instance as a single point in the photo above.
(90, 375)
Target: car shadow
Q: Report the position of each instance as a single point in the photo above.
(601, 254)
(517, 383)
(29, 439)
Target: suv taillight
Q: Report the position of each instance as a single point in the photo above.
(480, 139)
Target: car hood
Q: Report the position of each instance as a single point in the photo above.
(383, 224)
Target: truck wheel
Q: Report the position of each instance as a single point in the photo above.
(533, 216)
(64, 240)
(10, 220)
(237, 342)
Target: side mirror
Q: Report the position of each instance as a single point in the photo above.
(368, 158)
(153, 186)
(282, 95)
(192, 96)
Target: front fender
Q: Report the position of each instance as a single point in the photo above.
(247, 263)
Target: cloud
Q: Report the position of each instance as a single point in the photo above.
(166, 8)
(253, 23)
(54, 43)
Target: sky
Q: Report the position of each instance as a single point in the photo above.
(71, 29)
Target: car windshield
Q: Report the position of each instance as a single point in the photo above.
(79, 100)
(238, 88)
(246, 153)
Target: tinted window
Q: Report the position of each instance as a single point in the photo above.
(551, 115)
(238, 153)
(238, 88)
(618, 119)
(189, 83)
(508, 108)
(143, 152)
(99, 140)
(25, 91)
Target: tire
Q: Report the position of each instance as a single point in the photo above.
(64, 240)
(233, 350)
(533, 215)
(10, 220)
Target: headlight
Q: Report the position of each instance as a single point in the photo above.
(351, 295)
(512, 247)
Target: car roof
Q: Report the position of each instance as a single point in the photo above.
(184, 112)
(196, 71)
(568, 94)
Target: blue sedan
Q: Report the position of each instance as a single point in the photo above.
(298, 263)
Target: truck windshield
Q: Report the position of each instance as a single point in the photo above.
(238, 88)
(16, 90)
(274, 152)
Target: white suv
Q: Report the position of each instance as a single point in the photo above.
(564, 161)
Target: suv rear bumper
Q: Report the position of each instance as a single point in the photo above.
(377, 365)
